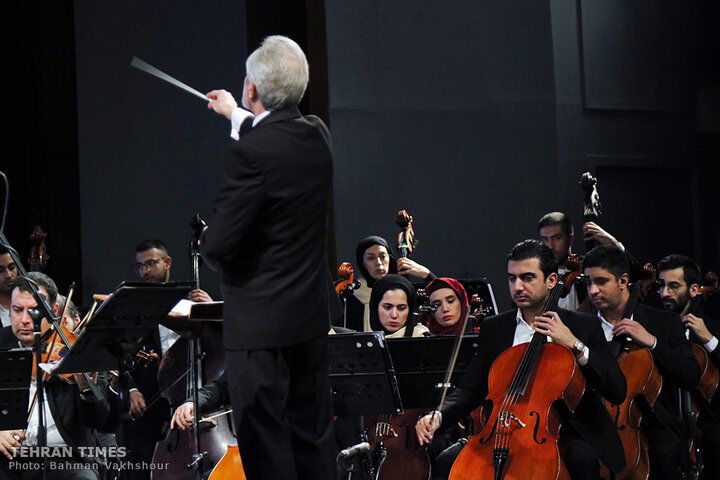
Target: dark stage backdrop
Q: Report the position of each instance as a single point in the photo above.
(446, 110)
(149, 151)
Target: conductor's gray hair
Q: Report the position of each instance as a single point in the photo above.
(279, 70)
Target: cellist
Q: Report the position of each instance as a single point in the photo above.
(681, 277)
(662, 332)
(587, 437)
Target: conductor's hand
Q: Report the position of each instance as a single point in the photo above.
(406, 266)
(222, 102)
(200, 296)
(426, 426)
(137, 404)
(593, 231)
(632, 329)
(183, 416)
(10, 439)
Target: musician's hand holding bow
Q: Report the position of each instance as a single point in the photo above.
(10, 439)
(222, 102)
(426, 426)
(137, 403)
(183, 416)
(549, 324)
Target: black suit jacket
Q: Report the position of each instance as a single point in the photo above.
(676, 363)
(8, 338)
(591, 420)
(269, 232)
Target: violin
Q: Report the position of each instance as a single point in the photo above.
(643, 382)
(505, 448)
(591, 208)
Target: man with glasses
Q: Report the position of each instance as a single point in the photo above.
(681, 283)
(8, 274)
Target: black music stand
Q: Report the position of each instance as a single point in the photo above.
(362, 376)
(15, 387)
(115, 332)
(421, 366)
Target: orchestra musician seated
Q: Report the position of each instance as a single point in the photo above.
(607, 269)
(375, 259)
(681, 278)
(8, 274)
(391, 304)
(452, 307)
(587, 436)
(73, 414)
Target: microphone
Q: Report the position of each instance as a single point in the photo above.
(349, 452)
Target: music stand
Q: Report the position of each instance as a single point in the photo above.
(421, 366)
(362, 376)
(15, 387)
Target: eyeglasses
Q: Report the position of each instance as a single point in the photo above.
(9, 268)
(672, 287)
(149, 264)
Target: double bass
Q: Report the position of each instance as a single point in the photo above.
(519, 440)
(196, 357)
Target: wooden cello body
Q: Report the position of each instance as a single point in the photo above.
(643, 384)
(407, 459)
(523, 427)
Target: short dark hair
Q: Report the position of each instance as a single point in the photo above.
(532, 248)
(41, 280)
(556, 218)
(609, 257)
(691, 271)
(151, 243)
(3, 249)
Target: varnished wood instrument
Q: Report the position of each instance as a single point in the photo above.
(406, 237)
(643, 384)
(592, 208)
(519, 440)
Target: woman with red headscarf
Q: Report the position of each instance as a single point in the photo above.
(452, 306)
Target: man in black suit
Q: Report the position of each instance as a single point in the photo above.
(75, 414)
(587, 436)
(662, 332)
(268, 241)
(681, 277)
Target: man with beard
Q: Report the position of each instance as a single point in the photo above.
(8, 274)
(585, 437)
(681, 277)
(607, 269)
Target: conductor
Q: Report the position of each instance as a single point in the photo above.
(267, 239)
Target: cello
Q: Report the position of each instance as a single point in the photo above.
(524, 419)
(643, 382)
(691, 402)
(591, 207)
